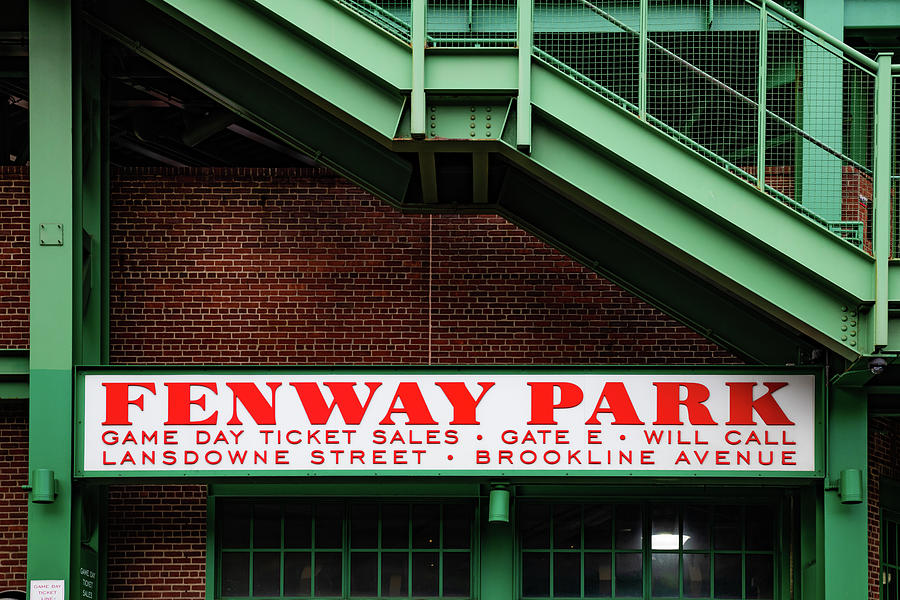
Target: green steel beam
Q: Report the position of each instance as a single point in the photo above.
(761, 93)
(725, 319)
(53, 138)
(846, 525)
(496, 553)
(523, 99)
(452, 72)
(882, 197)
(417, 94)
(259, 98)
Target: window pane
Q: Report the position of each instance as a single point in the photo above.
(426, 522)
(664, 528)
(891, 542)
(425, 580)
(329, 526)
(236, 574)
(597, 575)
(728, 576)
(598, 527)
(297, 574)
(266, 573)
(328, 573)
(364, 526)
(363, 574)
(456, 574)
(567, 574)
(567, 526)
(457, 525)
(395, 526)
(664, 574)
(536, 574)
(629, 575)
(297, 526)
(696, 575)
(394, 574)
(235, 526)
(728, 528)
(696, 527)
(267, 526)
(760, 524)
(628, 527)
(534, 525)
(759, 576)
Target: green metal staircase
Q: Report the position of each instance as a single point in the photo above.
(724, 160)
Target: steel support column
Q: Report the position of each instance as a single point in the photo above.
(53, 243)
(497, 551)
(846, 524)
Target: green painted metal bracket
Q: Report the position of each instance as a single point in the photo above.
(417, 94)
(230, 80)
(523, 100)
(882, 197)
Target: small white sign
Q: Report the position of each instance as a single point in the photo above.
(48, 589)
(590, 423)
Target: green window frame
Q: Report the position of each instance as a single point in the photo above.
(576, 550)
(277, 548)
(889, 499)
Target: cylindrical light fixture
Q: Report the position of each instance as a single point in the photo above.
(43, 486)
(850, 486)
(498, 504)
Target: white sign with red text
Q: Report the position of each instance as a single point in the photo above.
(588, 423)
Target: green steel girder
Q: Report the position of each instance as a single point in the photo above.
(260, 98)
(717, 229)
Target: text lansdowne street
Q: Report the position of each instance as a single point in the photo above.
(448, 422)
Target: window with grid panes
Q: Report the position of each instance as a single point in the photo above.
(320, 549)
(655, 551)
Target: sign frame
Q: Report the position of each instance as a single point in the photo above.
(513, 472)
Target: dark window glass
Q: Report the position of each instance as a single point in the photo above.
(727, 530)
(236, 574)
(267, 526)
(664, 574)
(266, 573)
(695, 572)
(696, 527)
(425, 574)
(457, 574)
(597, 575)
(364, 526)
(760, 526)
(567, 526)
(363, 573)
(567, 574)
(328, 573)
(297, 573)
(237, 534)
(329, 525)
(395, 526)
(629, 575)
(760, 576)
(534, 523)
(629, 529)
(728, 576)
(394, 574)
(598, 527)
(891, 542)
(536, 574)
(297, 526)
(426, 526)
(458, 525)
(664, 528)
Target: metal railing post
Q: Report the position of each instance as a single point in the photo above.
(882, 195)
(525, 41)
(761, 98)
(417, 95)
(642, 60)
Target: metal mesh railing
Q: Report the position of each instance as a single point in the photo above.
(595, 42)
(393, 16)
(471, 23)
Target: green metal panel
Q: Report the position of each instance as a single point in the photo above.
(866, 14)
(846, 525)
(452, 72)
(497, 558)
(52, 140)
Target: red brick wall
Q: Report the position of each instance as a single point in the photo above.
(13, 257)
(884, 461)
(13, 500)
